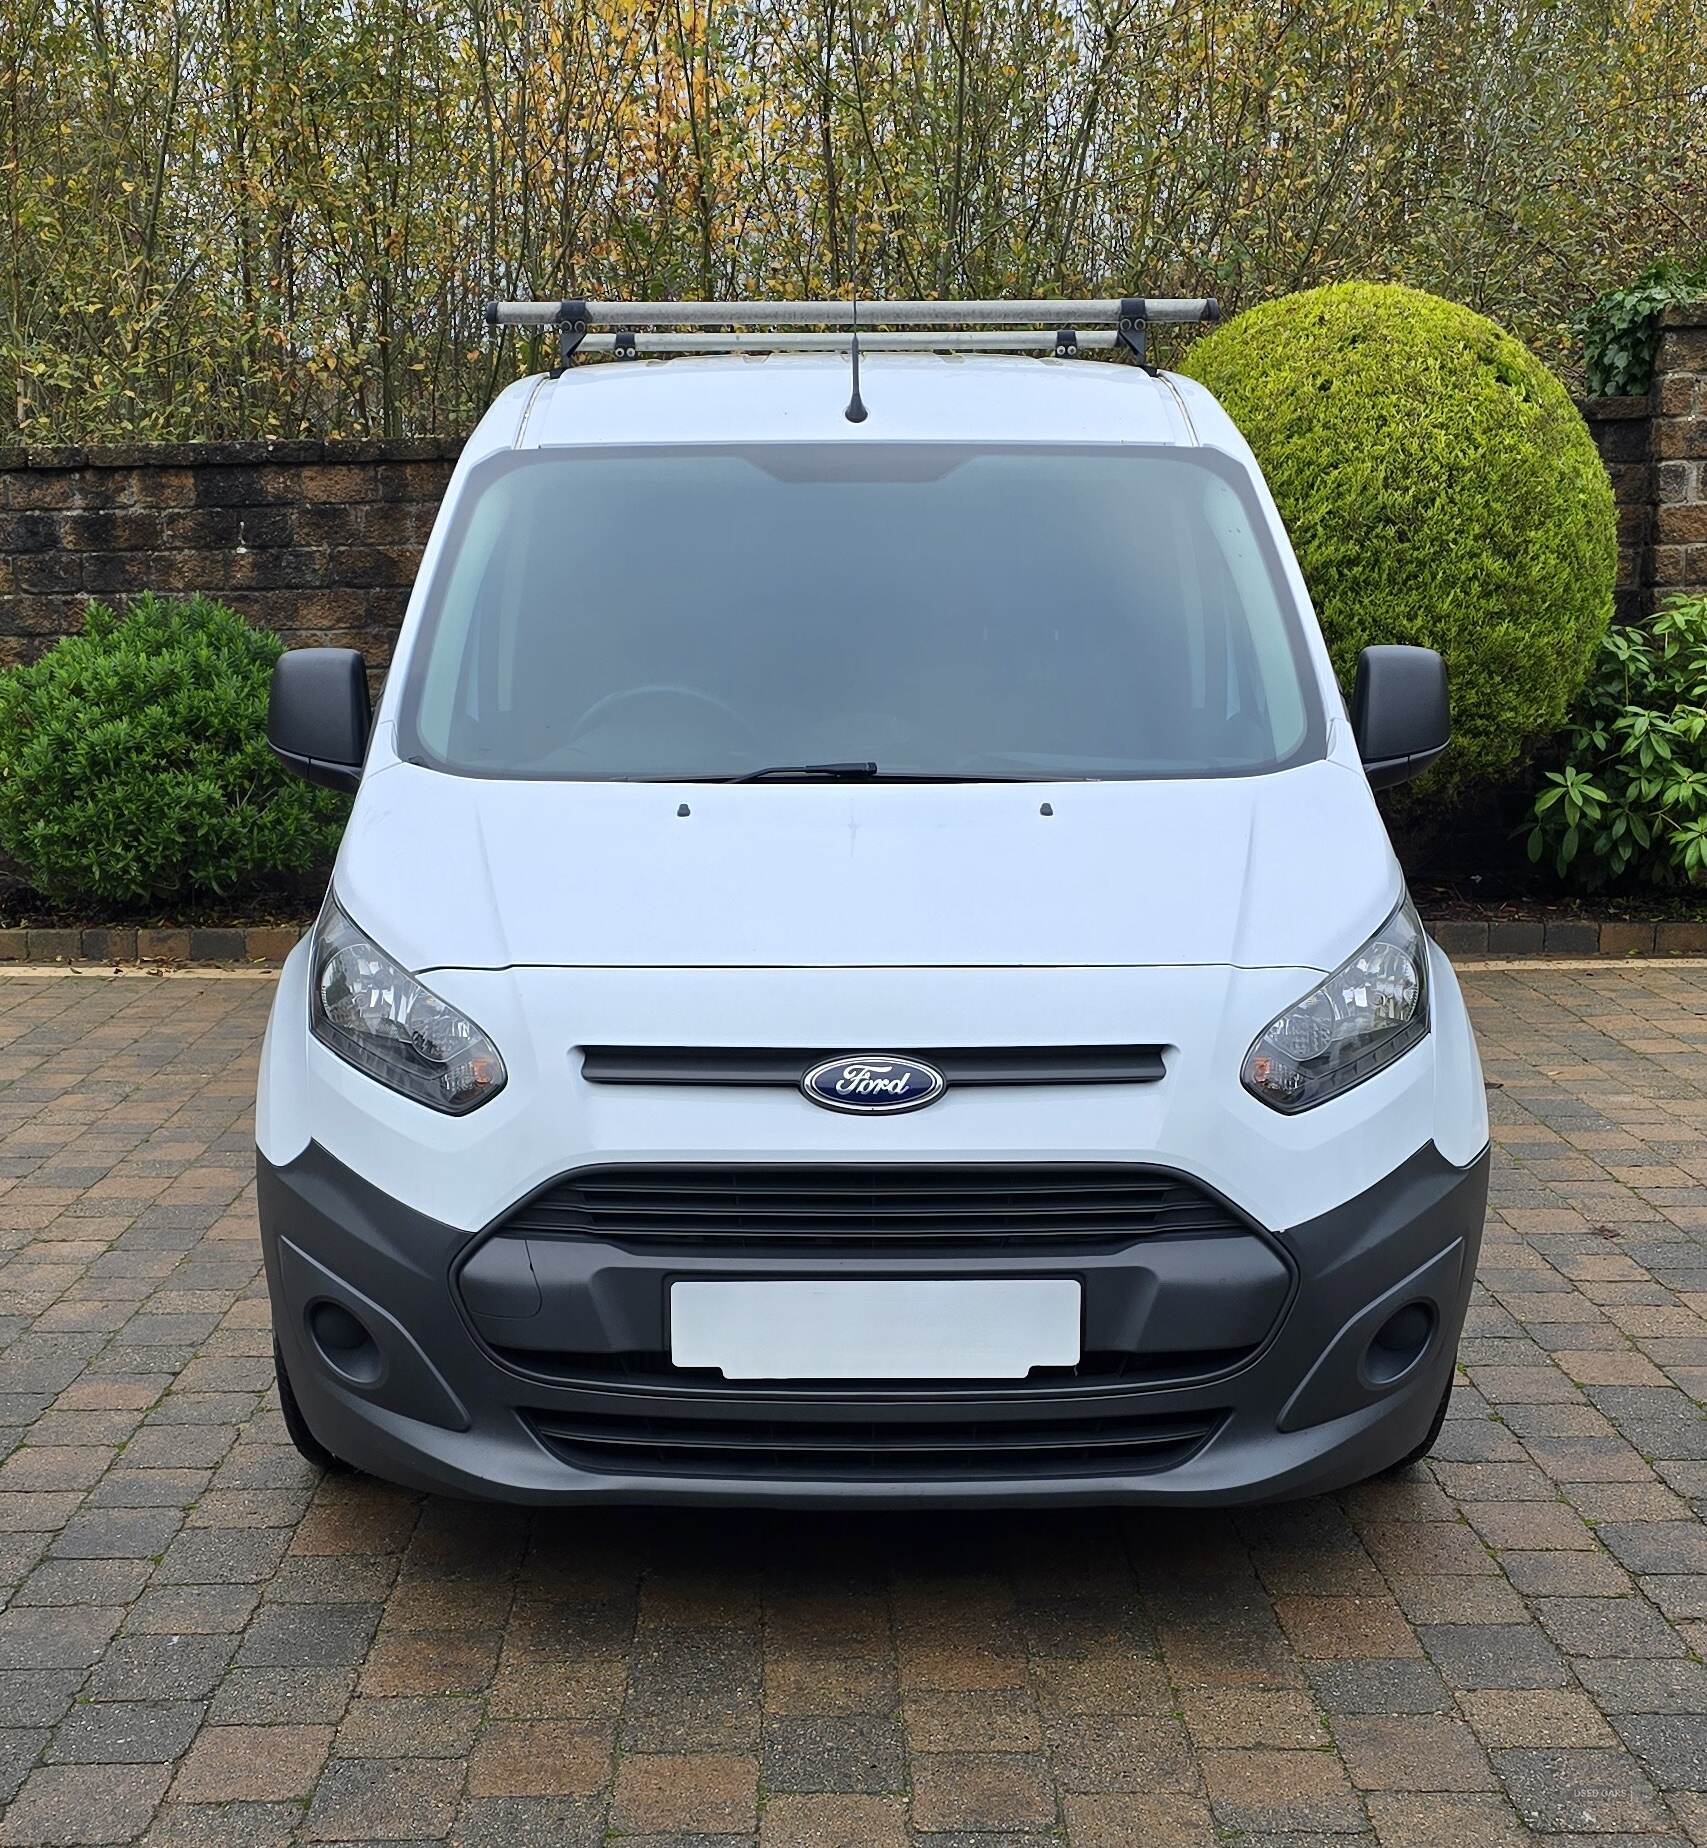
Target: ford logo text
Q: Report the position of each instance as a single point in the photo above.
(873, 1084)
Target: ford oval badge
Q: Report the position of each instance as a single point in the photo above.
(873, 1084)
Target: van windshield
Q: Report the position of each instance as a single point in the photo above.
(908, 611)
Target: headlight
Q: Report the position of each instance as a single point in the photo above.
(385, 1023)
(1372, 1009)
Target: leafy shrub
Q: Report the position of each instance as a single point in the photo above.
(1630, 798)
(1621, 332)
(134, 767)
(1440, 488)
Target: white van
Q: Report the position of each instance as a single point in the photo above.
(865, 966)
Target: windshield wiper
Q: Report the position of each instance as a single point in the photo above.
(859, 772)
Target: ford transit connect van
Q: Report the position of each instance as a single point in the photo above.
(865, 966)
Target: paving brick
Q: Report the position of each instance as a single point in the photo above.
(224, 1825)
(1380, 1687)
(1562, 1574)
(1537, 1717)
(380, 1799)
(1580, 1789)
(1518, 1624)
(658, 1793)
(1232, 1717)
(1511, 1655)
(84, 1581)
(1346, 1627)
(20, 1747)
(430, 1663)
(1102, 1683)
(280, 1696)
(84, 1803)
(176, 1610)
(854, 1754)
(539, 1822)
(126, 1732)
(260, 1764)
(1412, 1751)
(980, 1792)
(1436, 1821)
(215, 1556)
(1003, 1720)
(1622, 1627)
(309, 1636)
(1141, 1822)
(1266, 1791)
(1656, 1546)
(554, 1758)
(43, 1636)
(119, 1533)
(1646, 1687)
(831, 1821)
(409, 1726)
(160, 1668)
(1101, 1752)
(1670, 1747)
(30, 1698)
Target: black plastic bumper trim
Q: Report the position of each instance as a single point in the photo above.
(786, 1065)
(1343, 1268)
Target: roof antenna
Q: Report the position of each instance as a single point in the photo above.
(856, 411)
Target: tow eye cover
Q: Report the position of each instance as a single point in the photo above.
(873, 1084)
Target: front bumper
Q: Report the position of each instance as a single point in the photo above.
(1249, 1369)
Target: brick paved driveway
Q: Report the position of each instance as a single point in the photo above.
(203, 1643)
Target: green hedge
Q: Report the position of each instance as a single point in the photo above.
(134, 768)
(1440, 488)
(1628, 801)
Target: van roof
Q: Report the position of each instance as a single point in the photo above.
(912, 397)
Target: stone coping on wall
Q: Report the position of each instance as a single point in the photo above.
(236, 455)
(1573, 936)
(267, 945)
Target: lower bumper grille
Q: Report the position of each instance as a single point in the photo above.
(938, 1451)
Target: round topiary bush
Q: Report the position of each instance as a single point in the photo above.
(134, 767)
(1440, 488)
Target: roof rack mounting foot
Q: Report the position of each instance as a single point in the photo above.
(1132, 327)
(1066, 343)
(573, 320)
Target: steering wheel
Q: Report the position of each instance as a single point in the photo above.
(602, 708)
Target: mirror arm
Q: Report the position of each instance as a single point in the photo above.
(345, 777)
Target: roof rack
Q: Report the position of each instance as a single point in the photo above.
(1061, 327)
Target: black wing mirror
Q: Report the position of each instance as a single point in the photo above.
(318, 715)
(1400, 714)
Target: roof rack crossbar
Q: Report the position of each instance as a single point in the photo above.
(833, 314)
(627, 344)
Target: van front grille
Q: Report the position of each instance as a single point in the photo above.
(871, 1204)
(898, 1451)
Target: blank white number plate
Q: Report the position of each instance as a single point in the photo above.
(876, 1329)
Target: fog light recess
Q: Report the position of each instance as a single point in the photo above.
(344, 1343)
(1400, 1343)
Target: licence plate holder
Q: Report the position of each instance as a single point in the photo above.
(876, 1328)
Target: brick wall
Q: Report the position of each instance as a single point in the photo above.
(1680, 454)
(316, 540)
(1620, 428)
(320, 540)
(1655, 449)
